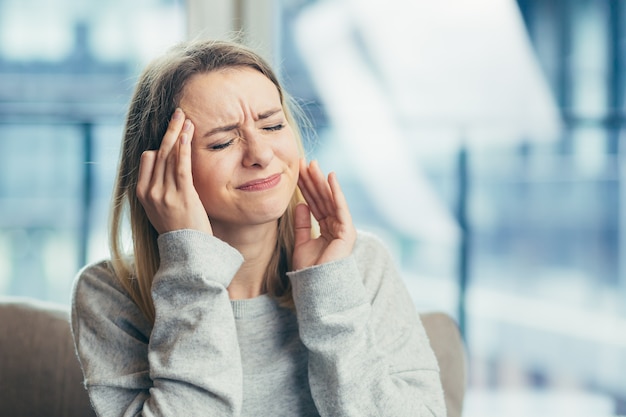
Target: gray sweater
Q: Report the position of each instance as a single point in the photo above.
(354, 346)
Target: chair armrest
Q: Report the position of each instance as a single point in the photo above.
(41, 375)
(446, 342)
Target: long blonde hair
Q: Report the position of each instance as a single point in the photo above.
(156, 95)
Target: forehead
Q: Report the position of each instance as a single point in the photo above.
(228, 90)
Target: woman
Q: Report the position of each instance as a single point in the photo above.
(230, 305)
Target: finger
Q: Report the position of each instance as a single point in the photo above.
(146, 167)
(322, 188)
(302, 223)
(318, 194)
(172, 167)
(308, 190)
(169, 140)
(341, 204)
(184, 178)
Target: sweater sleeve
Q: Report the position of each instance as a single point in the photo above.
(187, 362)
(368, 352)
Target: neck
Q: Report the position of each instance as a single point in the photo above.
(257, 245)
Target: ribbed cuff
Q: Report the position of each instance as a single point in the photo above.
(191, 252)
(328, 288)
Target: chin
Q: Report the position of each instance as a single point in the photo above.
(268, 214)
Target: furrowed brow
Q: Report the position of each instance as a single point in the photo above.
(228, 128)
(269, 113)
(221, 129)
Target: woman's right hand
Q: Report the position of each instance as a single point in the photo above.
(165, 185)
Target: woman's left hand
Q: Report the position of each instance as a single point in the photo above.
(326, 202)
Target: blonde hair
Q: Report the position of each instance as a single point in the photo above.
(155, 98)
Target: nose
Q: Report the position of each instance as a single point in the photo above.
(258, 150)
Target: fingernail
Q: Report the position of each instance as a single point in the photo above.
(187, 125)
(177, 113)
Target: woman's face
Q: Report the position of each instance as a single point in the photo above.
(244, 154)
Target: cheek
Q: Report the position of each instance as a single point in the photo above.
(196, 171)
(291, 158)
(290, 152)
(203, 172)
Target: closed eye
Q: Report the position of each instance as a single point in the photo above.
(274, 128)
(221, 146)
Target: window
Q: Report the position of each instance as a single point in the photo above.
(536, 203)
(66, 74)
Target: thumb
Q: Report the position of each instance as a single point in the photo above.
(302, 221)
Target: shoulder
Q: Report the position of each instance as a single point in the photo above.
(97, 279)
(377, 266)
(383, 281)
(370, 251)
(367, 240)
(98, 297)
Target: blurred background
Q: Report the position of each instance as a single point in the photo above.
(481, 139)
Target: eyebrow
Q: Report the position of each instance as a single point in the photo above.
(228, 128)
(269, 113)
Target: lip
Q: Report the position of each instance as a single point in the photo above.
(261, 183)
